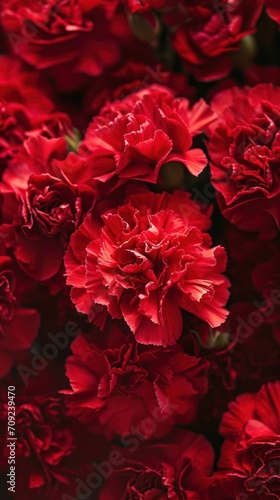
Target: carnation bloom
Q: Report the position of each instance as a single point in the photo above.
(13, 124)
(204, 32)
(128, 385)
(52, 449)
(132, 138)
(59, 36)
(41, 206)
(244, 148)
(24, 108)
(18, 85)
(18, 325)
(250, 456)
(176, 468)
(210, 31)
(145, 261)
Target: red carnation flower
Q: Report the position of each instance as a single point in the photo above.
(176, 468)
(18, 325)
(49, 448)
(17, 85)
(128, 385)
(41, 206)
(250, 454)
(59, 36)
(145, 261)
(204, 32)
(207, 31)
(23, 108)
(13, 124)
(134, 137)
(245, 152)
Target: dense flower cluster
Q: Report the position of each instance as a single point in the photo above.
(139, 250)
(205, 32)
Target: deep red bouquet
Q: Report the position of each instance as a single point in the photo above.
(139, 250)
